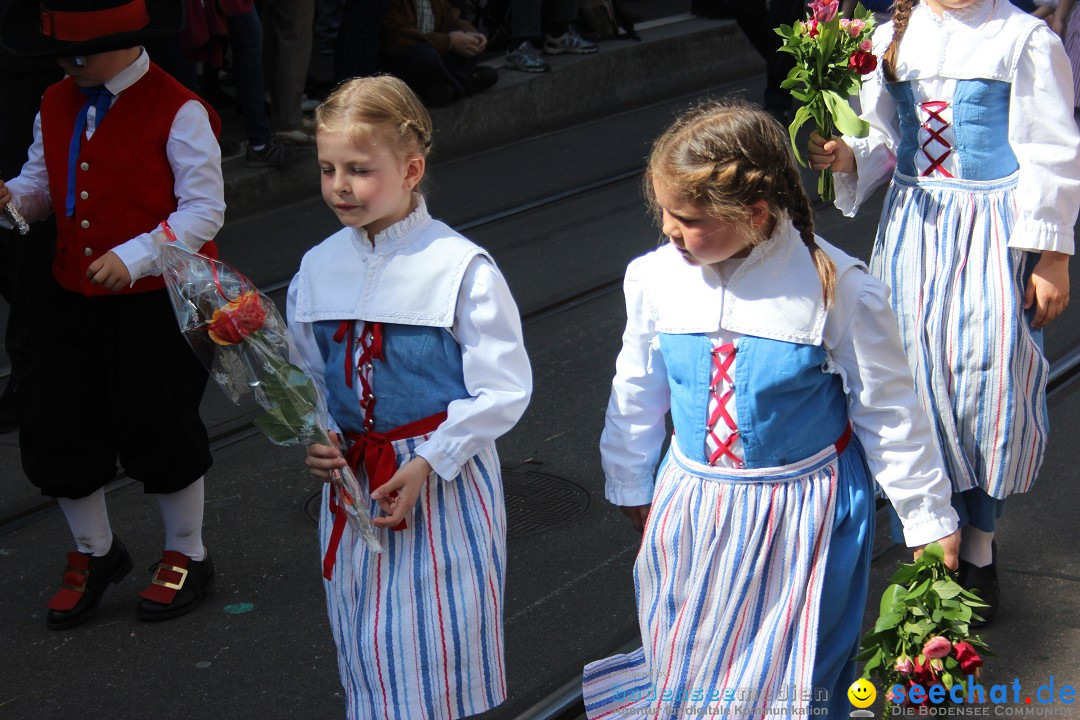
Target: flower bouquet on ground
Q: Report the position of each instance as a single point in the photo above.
(240, 337)
(831, 56)
(922, 637)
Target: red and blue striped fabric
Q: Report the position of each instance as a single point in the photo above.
(419, 627)
(958, 294)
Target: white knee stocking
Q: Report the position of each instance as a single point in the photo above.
(975, 546)
(88, 519)
(182, 515)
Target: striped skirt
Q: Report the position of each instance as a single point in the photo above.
(750, 586)
(958, 294)
(419, 627)
(1072, 49)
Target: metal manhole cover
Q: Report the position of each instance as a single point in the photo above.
(535, 501)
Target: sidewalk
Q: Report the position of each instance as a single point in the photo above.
(675, 55)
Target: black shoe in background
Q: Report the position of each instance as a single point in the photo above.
(480, 79)
(275, 155)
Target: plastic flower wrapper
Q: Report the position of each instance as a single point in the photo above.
(832, 55)
(923, 634)
(239, 336)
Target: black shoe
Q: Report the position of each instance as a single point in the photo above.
(178, 585)
(9, 408)
(480, 79)
(273, 154)
(983, 581)
(85, 580)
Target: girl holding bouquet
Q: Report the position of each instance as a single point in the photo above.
(778, 357)
(412, 334)
(971, 117)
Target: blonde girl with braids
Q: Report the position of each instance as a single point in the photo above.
(778, 358)
(971, 117)
(413, 336)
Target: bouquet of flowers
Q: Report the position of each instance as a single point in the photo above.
(241, 338)
(922, 636)
(831, 56)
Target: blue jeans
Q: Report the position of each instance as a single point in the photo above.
(245, 37)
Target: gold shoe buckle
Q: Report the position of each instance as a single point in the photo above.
(182, 572)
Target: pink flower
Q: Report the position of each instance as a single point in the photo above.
(845, 24)
(824, 10)
(866, 45)
(856, 27)
(904, 666)
(937, 647)
(811, 28)
(969, 660)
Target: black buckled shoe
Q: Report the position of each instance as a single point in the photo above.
(983, 581)
(85, 580)
(177, 586)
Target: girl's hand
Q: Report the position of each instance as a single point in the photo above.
(109, 270)
(950, 545)
(1048, 288)
(5, 195)
(398, 496)
(638, 514)
(832, 153)
(323, 459)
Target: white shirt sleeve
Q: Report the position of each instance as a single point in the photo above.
(634, 426)
(864, 345)
(875, 154)
(305, 351)
(195, 158)
(30, 190)
(1043, 135)
(496, 371)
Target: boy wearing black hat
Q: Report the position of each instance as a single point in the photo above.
(118, 147)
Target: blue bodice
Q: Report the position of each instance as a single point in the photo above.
(979, 128)
(789, 406)
(420, 375)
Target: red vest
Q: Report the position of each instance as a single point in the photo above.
(123, 181)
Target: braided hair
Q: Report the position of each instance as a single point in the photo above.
(724, 156)
(901, 14)
(363, 106)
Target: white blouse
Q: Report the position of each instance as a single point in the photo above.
(863, 345)
(993, 40)
(194, 156)
(486, 324)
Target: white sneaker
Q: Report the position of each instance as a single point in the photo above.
(569, 42)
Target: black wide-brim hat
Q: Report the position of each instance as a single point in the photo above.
(62, 28)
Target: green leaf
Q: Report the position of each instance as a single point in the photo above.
(947, 680)
(280, 433)
(801, 116)
(887, 621)
(932, 554)
(919, 590)
(844, 117)
(893, 595)
(947, 589)
(904, 574)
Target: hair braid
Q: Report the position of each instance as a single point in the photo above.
(798, 207)
(901, 14)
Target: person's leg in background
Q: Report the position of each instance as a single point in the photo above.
(526, 30)
(287, 32)
(560, 32)
(356, 52)
(327, 22)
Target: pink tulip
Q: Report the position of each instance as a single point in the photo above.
(937, 647)
(824, 10)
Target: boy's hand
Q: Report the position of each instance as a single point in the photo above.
(832, 153)
(398, 496)
(110, 271)
(638, 514)
(322, 460)
(5, 195)
(950, 545)
(1048, 288)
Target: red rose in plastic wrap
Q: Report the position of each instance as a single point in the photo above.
(238, 319)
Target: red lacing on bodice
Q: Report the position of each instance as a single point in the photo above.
(722, 358)
(936, 148)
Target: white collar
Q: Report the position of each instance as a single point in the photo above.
(130, 75)
(392, 239)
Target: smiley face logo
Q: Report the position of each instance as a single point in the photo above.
(862, 693)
